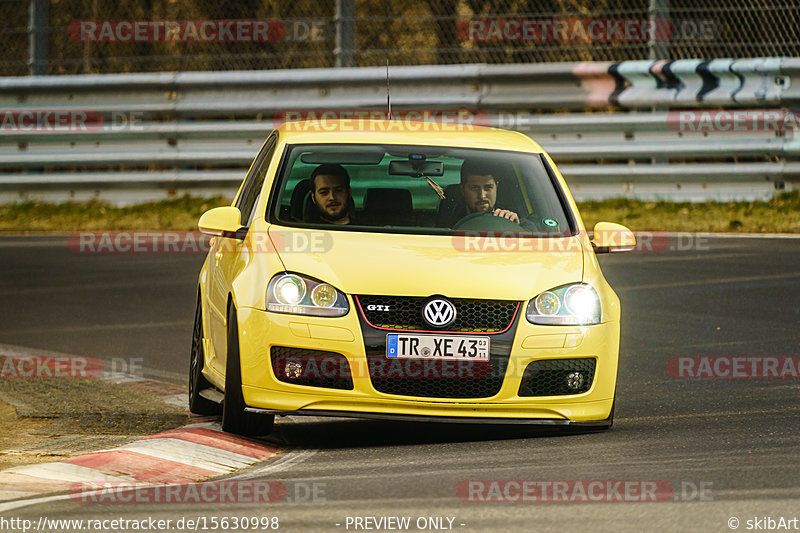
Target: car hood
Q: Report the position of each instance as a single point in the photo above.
(422, 265)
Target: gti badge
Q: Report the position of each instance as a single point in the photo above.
(374, 307)
(439, 313)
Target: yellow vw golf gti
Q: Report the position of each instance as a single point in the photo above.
(412, 271)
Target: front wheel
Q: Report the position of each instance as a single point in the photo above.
(197, 381)
(234, 418)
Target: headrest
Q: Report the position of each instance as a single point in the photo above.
(297, 203)
(388, 207)
(452, 208)
(388, 201)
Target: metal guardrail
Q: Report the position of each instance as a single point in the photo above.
(201, 130)
(630, 84)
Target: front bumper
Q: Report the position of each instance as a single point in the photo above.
(555, 422)
(263, 392)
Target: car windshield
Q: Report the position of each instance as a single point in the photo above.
(418, 190)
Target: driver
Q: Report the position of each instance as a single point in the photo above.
(330, 194)
(479, 188)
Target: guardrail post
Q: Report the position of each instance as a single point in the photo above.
(343, 19)
(658, 11)
(37, 29)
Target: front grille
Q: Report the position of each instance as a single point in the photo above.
(551, 377)
(435, 378)
(312, 368)
(405, 313)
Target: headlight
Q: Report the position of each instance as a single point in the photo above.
(300, 295)
(571, 305)
(290, 290)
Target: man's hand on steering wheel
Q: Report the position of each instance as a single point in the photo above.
(505, 213)
(485, 220)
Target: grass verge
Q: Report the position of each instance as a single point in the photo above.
(780, 214)
(180, 214)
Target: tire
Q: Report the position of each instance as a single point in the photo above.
(197, 381)
(234, 418)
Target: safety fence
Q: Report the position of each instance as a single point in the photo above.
(47, 37)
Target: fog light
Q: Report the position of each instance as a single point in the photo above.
(575, 380)
(293, 369)
(547, 304)
(323, 295)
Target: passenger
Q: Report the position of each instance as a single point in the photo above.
(330, 194)
(479, 188)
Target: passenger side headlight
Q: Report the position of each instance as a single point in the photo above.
(570, 305)
(300, 295)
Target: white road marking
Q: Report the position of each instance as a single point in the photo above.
(670, 256)
(715, 281)
(89, 287)
(283, 462)
(65, 472)
(10, 506)
(190, 453)
(737, 235)
(178, 400)
(206, 425)
(102, 327)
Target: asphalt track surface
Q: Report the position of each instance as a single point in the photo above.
(727, 447)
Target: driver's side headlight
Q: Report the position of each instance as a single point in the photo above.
(571, 305)
(301, 295)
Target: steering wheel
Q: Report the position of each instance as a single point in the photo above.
(485, 220)
(533, 222)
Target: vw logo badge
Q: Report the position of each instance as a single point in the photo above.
(439, 313)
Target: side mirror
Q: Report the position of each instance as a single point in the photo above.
(220, 221)
(609, 237)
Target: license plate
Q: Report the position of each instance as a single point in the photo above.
(460, 347)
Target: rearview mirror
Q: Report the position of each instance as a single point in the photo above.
(221, 221)
(609, 237)
(416, 168)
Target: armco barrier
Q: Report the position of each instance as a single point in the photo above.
(606, 124)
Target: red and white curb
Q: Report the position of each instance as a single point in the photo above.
(193, 453)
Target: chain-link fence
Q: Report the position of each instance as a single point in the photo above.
(105, 36)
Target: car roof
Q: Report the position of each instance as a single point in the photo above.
(366, 131)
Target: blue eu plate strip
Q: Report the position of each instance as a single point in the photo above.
(391, 345)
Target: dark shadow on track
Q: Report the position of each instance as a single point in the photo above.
(302, 432)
